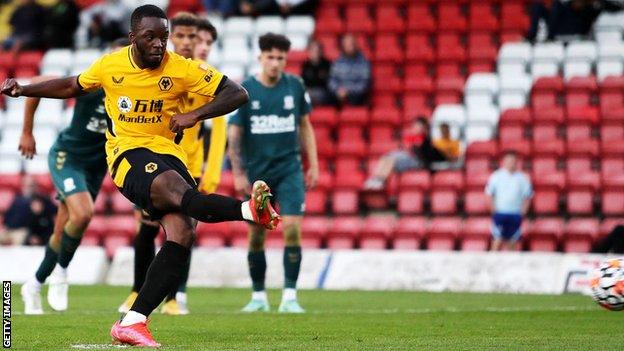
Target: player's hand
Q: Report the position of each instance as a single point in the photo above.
(241, 185)
(27, 146)
(179, 123)
(311, 177)
(11, 88)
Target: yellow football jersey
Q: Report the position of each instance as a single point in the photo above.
(140, 102)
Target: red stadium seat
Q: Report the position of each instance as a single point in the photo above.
(582, 85)
(579, 131)
(409, 232)
(324, 115)
(549, 148)
(313, 231)
(358, 19)
(476, 202)
(444, 202)
(30, 59)
(522, 147)
(583, 181)
(613, 202)
(477, 181)
(98, 227)
(580, 234)
(481, 18)
(10, 181)
(386, 116)
(212, 234)
(121, 226)
(512, 132)
(442, 233)
(550, 180)
(410, 202)
(376, 232)
(344, 232)
(607, 225)
(353, 116)
(101, 203)
(551, 85)
(120, 204)
(522, 116)
(418, 49)
(548, 114)
(448, 180)
(514, 18)
(412, 180)
(389, 19)
(544, 165)
(545, 132)
(477, 165)
(316, 201)
(482, 148)
(330, 21)
(108, 186)
(580, 202)
(239, 232)
(544, 234)
(612, 132)
(450, 18)
(477, 233)
(113, 243)
(388, 48)
(345, 202)
(546, 202)
(578, 165)
(420, 19)
(589, 147)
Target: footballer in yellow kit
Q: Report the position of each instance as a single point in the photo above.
(140, 103)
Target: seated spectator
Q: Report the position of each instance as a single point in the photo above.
(567, 18)
(27, 24)
(446, 144)
(30, 218)
(106, 22)
(416, 152)
(510, 194)
(315, 73)
(350, 74)
(62, 22)
(224, 7)
(275, 7)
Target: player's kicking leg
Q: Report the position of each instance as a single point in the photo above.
(167, 193)
(73, 217)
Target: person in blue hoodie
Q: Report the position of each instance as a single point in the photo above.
(350, 74)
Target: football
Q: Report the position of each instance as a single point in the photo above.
(607, 284)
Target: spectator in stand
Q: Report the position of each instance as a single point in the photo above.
(62, 21)
(224, 7)
(315, 73)
(26, 27)
(448, 146)
(350, 74)
(567, 18)
(510, 195)
(416, 152)
(30, 218)
(275, 7)
(106, 22)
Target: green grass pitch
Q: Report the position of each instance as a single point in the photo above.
(337, 320)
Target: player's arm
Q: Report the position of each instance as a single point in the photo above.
(235, 139)
(308, 143)
(218, 138)
(59, 88)
(228, 97)
(27, 144)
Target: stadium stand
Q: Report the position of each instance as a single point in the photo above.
(561, 107)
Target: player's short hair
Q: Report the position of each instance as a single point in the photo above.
(422, 120)
(120, 42)
(185, 19)
(145, 11)
(204, 24)
(445, 125)
(508, 152)
(270, 41)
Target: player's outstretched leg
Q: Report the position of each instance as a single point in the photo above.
(256, 260)
(292, 264)
(144, 252)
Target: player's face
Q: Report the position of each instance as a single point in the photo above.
(204, 45)
(510, 162)
(150, 40)
(273, 62)
(184, 39)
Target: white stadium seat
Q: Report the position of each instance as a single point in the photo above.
(15, 104)
(215, 56)
(10, 163)
(474, 100)
(576, 69)
(544, 69)
(609, 21)
(10, 140)
(234, 71)
(84, 58)
(581, 51)
(60, 59)
(607, 68)
(273, 24)
(483, 115)
(45, 137)
(515, 52)
(521, 82)
(300, 25)
(482, 82)
(452, 114)
(217, 22)
(50, 112)
(38, 165)
(478, 132)
(238, 25)
(240, 55)
(548, 52)
(610, 36)
(511, 68)
(298, 41)
(507, 100)
(611, 50)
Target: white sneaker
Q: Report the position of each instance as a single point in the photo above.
(31, 295)
(57, 291)
(181, 299)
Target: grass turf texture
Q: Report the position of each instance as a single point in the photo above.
(337, 320)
